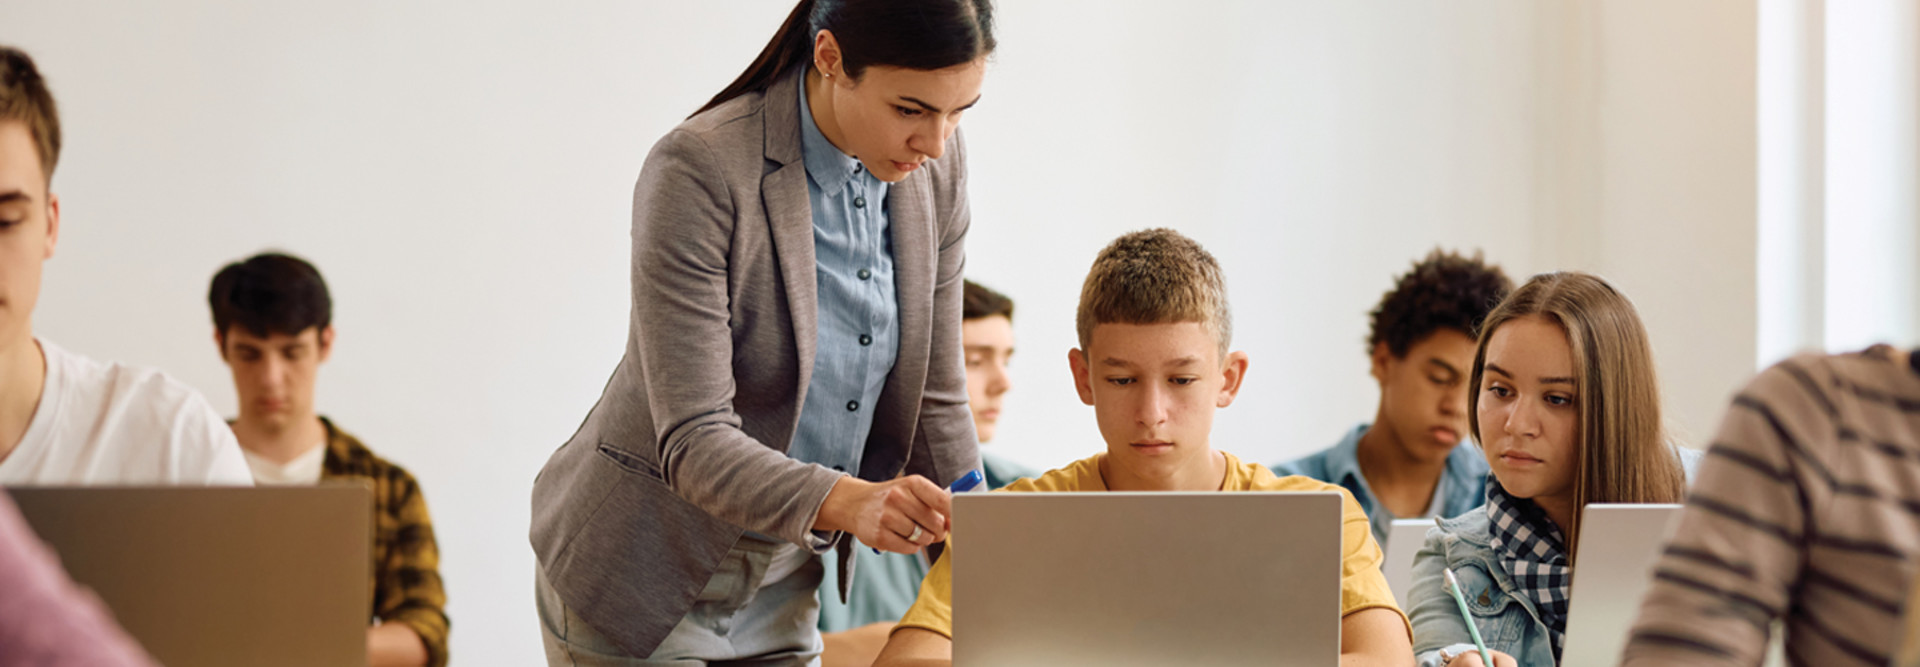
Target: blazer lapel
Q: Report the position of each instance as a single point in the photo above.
(910, 214)
(790, 217)
(785, 194)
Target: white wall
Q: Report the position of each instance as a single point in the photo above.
(1658, 183)
(1790, 113)
(462, 171)
(1872, 164)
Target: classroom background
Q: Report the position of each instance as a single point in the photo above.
(462, 174)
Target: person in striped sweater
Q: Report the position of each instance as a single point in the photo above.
(1806, 511)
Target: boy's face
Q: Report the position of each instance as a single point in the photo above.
(29, 226)
(988, 344)
(1423, 395)
(1154, 388)
(274, 376)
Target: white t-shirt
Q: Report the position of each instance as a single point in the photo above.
(109, 423)
(304, 469)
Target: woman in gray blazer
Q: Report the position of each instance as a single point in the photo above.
(792, 378)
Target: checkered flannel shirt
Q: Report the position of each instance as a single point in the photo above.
(406, 560)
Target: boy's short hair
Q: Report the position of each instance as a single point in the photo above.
(24, 97)
(270, 293)
(1155, 276)
(978, 301)
(1443, 291)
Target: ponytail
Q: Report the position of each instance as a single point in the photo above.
(791, 46)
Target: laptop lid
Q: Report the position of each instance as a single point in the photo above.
(1146, 579)
(1404, 539)
(219, 576)
(1619, 545)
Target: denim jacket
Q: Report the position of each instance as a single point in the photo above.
(1507, 619)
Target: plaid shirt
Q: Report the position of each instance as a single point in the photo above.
(1533, 552)
(406, 561)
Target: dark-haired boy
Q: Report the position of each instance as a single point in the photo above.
(273, 322)
(1154, 363)
(65, 418)
(1408, 462)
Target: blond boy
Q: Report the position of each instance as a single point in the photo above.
(1153, 362)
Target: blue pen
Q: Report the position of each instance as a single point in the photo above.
(1453, 584)
(968, 482)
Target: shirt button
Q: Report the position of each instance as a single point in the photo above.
(839, 469)
(853, 406)
(866, 339)
(859, 202)
(865, 274)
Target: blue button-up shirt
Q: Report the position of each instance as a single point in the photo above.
(858, 337)
(1463, 484)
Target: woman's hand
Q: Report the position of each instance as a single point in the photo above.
(1471, 658)
(900, 515)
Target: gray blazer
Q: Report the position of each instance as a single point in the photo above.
(686, 448)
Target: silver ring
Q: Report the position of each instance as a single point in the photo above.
(914, 537)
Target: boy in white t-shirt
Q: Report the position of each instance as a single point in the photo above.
(64, 418)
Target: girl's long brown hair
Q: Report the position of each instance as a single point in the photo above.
(1624, 456)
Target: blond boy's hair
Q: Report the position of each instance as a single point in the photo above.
(24, 98)
(1155, 276)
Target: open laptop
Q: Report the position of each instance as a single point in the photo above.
(219, 576)
(1117, 579)
(1619, 545)
(1404, 539)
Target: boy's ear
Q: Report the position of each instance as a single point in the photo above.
(220, 343)
(1236, 372)
(53, 223)
(1082, 380)
(1381, 357)
(326, 342)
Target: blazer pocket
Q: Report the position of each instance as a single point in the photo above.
(630, 463)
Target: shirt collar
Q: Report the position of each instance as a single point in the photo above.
(827, 165)
(1466, 461)
(1346, 460)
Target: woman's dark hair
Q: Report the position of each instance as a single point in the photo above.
(911, 34)
(978, 301)
(270, 293)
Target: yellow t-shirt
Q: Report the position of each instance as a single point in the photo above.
(1362, 585)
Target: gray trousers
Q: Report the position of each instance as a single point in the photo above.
(738, 619)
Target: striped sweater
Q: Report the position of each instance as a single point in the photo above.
(1806, 511)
